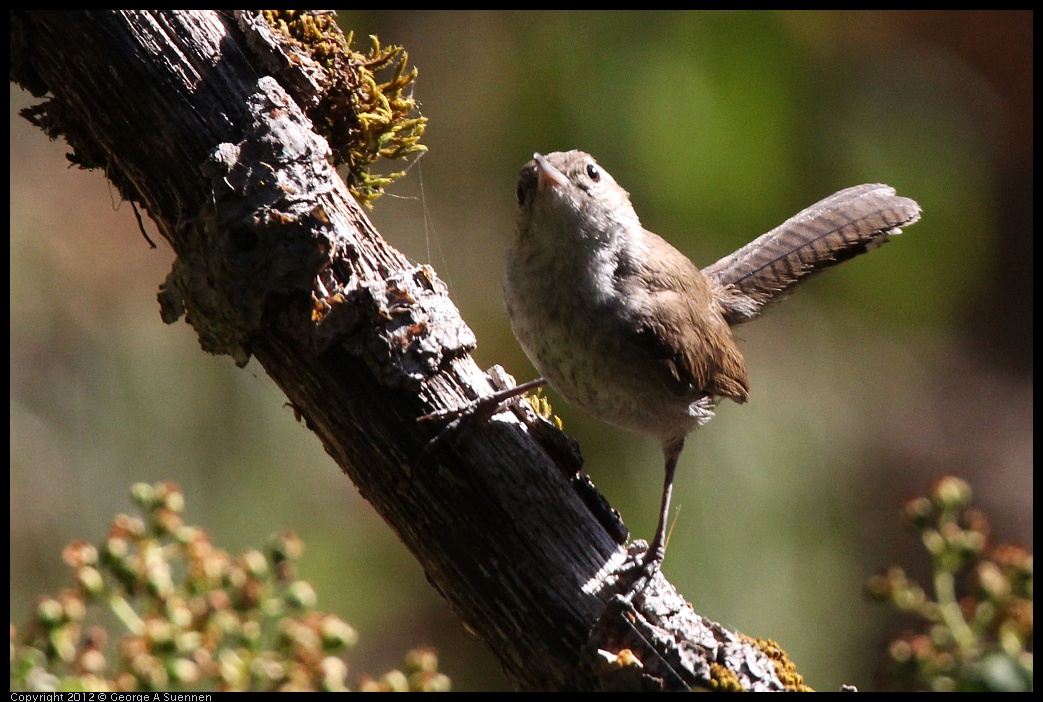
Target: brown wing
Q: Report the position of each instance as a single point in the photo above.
(682, 325)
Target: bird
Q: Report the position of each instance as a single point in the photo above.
(624, 326)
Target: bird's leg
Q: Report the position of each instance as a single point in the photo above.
(656, 552)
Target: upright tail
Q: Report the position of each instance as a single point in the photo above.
(844, 225)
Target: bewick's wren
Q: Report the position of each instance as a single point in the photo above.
(624, 326)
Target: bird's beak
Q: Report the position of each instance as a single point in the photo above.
(548, 175)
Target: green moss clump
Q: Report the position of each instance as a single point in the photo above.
(363, 113)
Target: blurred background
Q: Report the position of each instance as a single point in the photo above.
(866, 386)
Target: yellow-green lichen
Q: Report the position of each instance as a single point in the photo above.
(541, 406)
(784, 667)
(724, 680)
(363, 117)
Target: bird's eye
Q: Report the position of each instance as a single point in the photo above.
(593, 173)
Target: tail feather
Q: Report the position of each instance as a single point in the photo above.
(840, 227)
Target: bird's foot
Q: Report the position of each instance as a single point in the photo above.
(470, 412)
(644, 569)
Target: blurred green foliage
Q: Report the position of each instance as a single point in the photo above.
(185, 615)
(973, 632)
